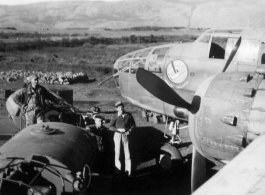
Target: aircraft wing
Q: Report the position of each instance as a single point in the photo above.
(244, 175)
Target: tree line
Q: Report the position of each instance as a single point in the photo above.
(39, 43)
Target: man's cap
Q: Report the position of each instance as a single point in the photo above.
(95, 109)
(33, 76)
(119, 103)
(99, 117)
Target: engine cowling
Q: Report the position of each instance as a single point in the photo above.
(231, 114)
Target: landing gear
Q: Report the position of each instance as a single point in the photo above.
(145, 115)
(174, 128)
(170, 159)
(155, 118)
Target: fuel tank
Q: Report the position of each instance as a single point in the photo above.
(51, 158)
(231, 114)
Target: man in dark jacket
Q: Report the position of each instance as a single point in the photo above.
(102, 137)
(32, 101)
(100, 132)
(122, 123)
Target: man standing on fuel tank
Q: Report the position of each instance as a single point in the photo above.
(32, 100)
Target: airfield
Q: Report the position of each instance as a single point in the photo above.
(226, 113)
(147, 179)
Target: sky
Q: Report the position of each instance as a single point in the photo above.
(20, 2)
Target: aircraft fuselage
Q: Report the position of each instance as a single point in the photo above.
(231, 103)
(185, 66)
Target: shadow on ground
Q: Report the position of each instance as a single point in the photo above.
(153, 183)
(145, 144)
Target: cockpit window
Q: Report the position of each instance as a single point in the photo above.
(139, 60)
(129, 63)
(205, 39)
(156, 61)
(142, 53)
(123, 65)
(128, 56)
(137, 63)
(247, 52)
(217, 48)
(161, 51)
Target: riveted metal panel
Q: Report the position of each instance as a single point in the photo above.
(259, 101)
(256, 122)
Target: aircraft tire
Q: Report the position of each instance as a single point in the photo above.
(169, 160)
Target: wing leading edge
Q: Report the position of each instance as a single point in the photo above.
(244, 175)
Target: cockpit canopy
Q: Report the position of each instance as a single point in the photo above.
(151, 59)
(214, 44)
(221, 43)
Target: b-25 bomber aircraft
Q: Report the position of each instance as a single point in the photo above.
(184, 66)
(226, 117)
(217, 84)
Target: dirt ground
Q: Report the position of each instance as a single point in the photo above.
(147, 181)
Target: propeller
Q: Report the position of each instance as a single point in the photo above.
(160, 89)
(198, 172)
(233, 53)
(165, 93)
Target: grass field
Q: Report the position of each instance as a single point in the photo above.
(106, 33)
(93, 58)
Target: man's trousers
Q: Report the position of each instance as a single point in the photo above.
(119, 139)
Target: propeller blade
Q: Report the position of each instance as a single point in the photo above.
(198, 170)
(160, 89)
(233, 53)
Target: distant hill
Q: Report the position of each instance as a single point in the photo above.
(113, 15)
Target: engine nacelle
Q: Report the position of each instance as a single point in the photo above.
(231, 114)
(51, 158)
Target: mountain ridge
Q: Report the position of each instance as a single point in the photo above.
(127, 14)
